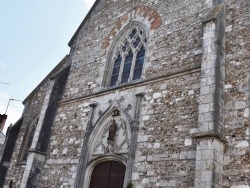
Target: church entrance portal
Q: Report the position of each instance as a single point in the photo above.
(108, 175)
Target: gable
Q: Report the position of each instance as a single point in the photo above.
(82, 24)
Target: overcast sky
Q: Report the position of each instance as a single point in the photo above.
(33, 39)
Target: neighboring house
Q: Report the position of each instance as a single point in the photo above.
(3, 118)
(153, 92)
(2, 138)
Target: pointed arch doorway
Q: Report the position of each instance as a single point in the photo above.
(108, 174)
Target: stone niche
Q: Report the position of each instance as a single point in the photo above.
(112, 135)
(119, 144)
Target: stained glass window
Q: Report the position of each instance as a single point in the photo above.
(128, 64)
(133, 33)
(116, 70)
(139, 64)
(127, 67)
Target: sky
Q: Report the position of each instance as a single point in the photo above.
(33, 39)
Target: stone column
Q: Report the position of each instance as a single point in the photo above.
(133, 142)
(210, 139)
(79, 182)
(36, 159)
(40, 142)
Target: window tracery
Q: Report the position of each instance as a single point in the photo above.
(128, 59)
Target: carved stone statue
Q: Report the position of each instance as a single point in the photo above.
(112, 131)
(111, 138)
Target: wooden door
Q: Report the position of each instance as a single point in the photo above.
(108, 175)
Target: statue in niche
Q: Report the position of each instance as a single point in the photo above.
(111, 138)
(112, 131)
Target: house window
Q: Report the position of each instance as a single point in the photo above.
(128, 59)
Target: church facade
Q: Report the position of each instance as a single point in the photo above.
(154, 93)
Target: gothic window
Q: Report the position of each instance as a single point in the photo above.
(128, 59)
(27, 141)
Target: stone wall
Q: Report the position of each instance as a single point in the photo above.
(166, 151)
(170, 107)
(175, 46)
(237, 92)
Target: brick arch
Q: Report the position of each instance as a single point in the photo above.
(141, 13)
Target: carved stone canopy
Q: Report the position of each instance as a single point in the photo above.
(114, 139)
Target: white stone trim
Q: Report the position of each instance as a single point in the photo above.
(32, 156)
(42, 114)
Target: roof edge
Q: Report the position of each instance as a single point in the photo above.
(46, 78)
(83, 22)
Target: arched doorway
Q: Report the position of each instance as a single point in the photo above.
(109, 174)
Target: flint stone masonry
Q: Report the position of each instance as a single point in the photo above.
(184, 124)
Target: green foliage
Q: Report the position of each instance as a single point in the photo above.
(130, 185)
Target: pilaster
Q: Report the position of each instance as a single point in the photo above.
(33, 168)
(210, 137)
(33, 157)
(40, 142)
(134, 134)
